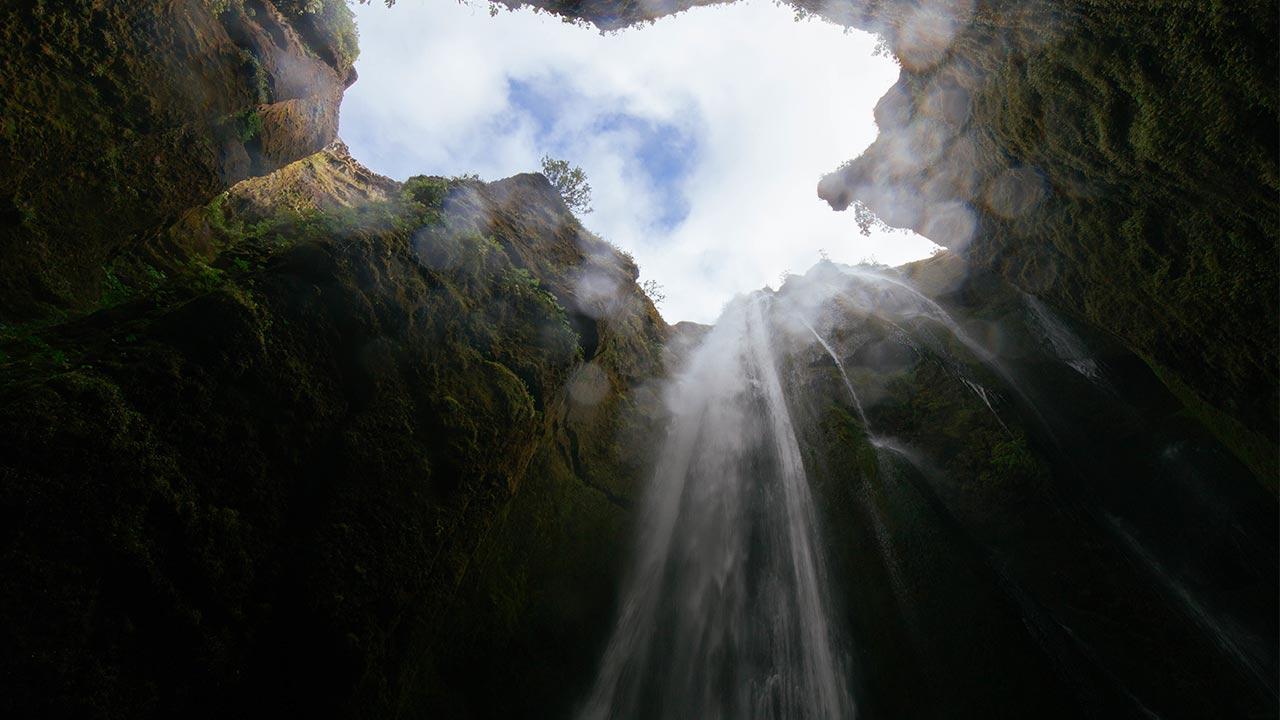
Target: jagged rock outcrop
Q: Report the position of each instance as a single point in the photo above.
(1119, 159)
(610, 15)
(259, 484)
(260, 446)
(119, 117)
(1021, 520)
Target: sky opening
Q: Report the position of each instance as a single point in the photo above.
(703, 136)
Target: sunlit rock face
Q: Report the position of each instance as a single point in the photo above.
(119, 118)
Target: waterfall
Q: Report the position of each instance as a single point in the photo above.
(935, 311)
(982, 393)
(927, 306)
(844, 375)
(1233, 642)
(725, 611)
(1064, 343)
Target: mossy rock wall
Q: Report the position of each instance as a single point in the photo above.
(1120, 158)
(1012, 535)
(120, 116)
(1117, 158)
(260, 485)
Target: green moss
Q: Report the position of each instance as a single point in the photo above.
(1256, 452)
(299, 441)
(528, 625)
(1155, 130)
(847, 444)
(107, 117)
(429, 191)
(1013, 468)
(248, 125)
(114, 292)
(330, 25)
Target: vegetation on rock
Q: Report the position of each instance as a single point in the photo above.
(1148, 137)
(112, 130)
(286, 456)
(988, 501)
(571, 181)
(281, 436)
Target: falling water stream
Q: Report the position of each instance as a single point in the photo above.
(1065, 344)
(890, 452)
(725, 614)
(862, 415)
(893, 562)
(932, 309)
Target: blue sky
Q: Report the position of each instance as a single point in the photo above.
(703, 136)
(664, 152)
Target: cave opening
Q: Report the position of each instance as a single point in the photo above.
(701, 134)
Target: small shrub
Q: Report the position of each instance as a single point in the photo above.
(571, 181)
(430, 191)
(654, 290)
(248, 125)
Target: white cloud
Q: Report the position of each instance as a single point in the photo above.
(769, 104)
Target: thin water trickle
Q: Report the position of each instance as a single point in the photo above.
(862, 415)
(927, 306)
(983, 395)
(725, 613)
(1068, 348)
(994, 363)
(932, 309)
(1223, 632)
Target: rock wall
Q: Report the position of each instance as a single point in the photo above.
(119, 117)
(1021, 520)
(279, 435)
(1116, 157)
(260, 444)
(260, 482)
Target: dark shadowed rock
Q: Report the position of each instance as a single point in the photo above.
(291, 462)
